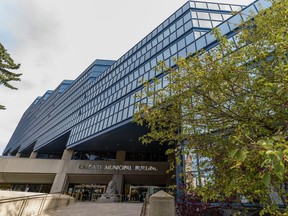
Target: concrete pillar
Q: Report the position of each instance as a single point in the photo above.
(119, 180)
(33, 155)
(67, 154)
(18, 155)
(161, 203)
(60, 179)
(120, 156)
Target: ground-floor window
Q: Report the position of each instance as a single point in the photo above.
(86, 192)
(39, 188)
(79, 155)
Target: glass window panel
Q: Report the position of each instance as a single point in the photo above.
(205, 24)
(146, 76)
(166, 53)
(194, 14)
(147, 66)
(187, 17)
(154, 42)
(148, 46)
(160, 37)
(197, 34)
(182, 53)
(201, 5)
(141, 70)
(153, 51)
(173, 36)
(125, 113)
(172, 18)
(179, 23)
(195, 23)
(119, 116)
(166, 33)
(159, 46)
(192, 4)
(180, 31)
(224, 7)
(191, 48)
(173, 27)
(226, 16)
(166, 42)
(262, 4)
(159, 57)
(224, 28)
(178, 13)
(202, 15)
(235, 21)
(216, 16)
(213, 6)
(181, 44)
(210, 38)
(215, 23)
(152, 73)
(236, 8)
(130, 111)
(173, 49)
(187, 26)
(190, 38)
(246, 13)
(153, 62)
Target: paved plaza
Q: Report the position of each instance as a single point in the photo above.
(98, 209)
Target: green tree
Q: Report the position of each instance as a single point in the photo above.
(6, 76)
(230, 106)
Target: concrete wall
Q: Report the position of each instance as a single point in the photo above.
(28, 204)
(60, 172)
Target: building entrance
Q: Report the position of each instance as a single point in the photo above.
(138, 193)
(86, 192)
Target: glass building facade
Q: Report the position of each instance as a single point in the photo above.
(103, 96)
(92, 115)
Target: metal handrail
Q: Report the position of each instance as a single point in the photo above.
(22, 197)
(25, 199)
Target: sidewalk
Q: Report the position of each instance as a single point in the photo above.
(98, 209)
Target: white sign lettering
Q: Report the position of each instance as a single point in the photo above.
(117, 167)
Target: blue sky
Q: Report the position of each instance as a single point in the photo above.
(58, 39)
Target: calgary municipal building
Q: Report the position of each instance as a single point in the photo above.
(81, 136)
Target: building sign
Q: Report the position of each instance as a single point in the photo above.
(117, 167)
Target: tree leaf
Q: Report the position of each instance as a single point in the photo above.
(266, 179)
(233, 152)
(279, 169)
(240, 155)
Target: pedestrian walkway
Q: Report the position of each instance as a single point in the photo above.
(98, 209)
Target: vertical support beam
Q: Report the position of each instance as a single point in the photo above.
(61, 178)
(120, 156)
(18, 155)
(119, 180)
(33, 155)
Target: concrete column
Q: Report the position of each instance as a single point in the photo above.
(119, 180)
(18, 155)
(120, 156)
(33, 155)
(161, 203)
(67, 154)
(60, 179)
